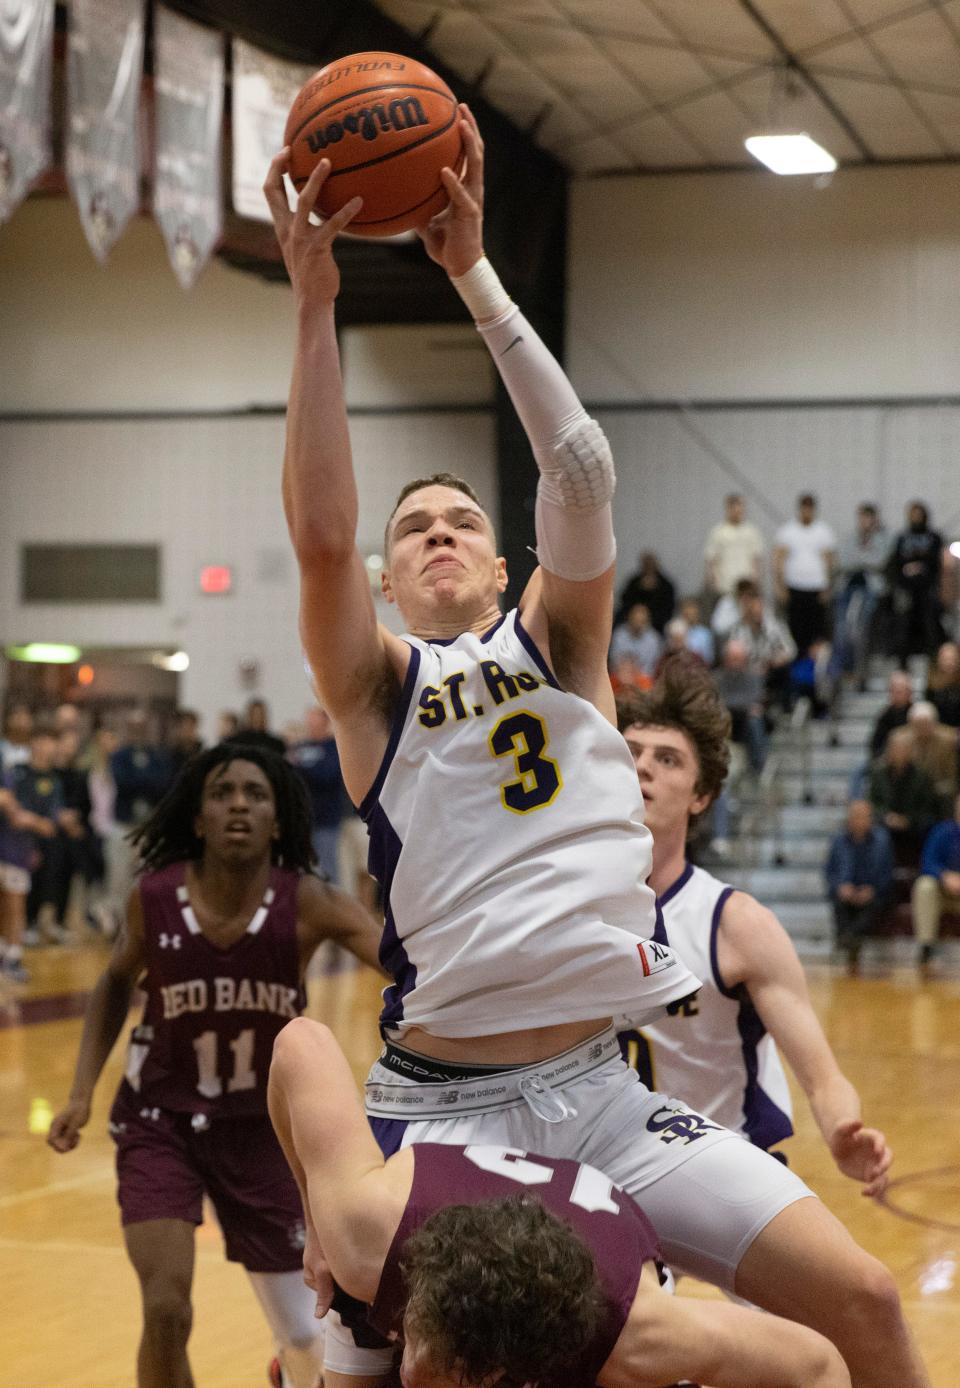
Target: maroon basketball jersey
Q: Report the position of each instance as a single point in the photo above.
(614, 1229)
(206, 1036)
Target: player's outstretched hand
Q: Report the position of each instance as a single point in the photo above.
(64, 1131)
(307, 249)
(316, 1272)
(863, 1155)
(454, 237)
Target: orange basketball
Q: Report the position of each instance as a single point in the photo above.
(388, 125)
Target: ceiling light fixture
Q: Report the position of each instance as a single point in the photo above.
(791, 154)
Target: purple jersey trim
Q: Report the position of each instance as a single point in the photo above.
(676, 886)
(533, 651)
(385, 850)
(660, 928)
(721, 901)
(368, 802)
(764, 1122)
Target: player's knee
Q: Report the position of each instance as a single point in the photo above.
(299, 1035)
(301, 1338)
(167, 1313)
(873, 1304)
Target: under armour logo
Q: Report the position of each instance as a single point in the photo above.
(152, 1113)
(169, 941)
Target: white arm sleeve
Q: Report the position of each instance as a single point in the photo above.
(574, 518)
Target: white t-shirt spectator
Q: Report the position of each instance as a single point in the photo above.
(805, 561)
(733, 552)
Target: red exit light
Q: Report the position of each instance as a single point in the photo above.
(216, 578)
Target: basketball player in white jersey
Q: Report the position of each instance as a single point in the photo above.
(506, 819)
(719, 1051)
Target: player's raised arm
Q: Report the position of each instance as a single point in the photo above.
(103, 1021)
(571, 596)
(340, 634)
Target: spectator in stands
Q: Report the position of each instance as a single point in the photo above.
(729, 609)
(861, 579)
(900, 693)
(68, 719)
(943, 684)
(933, 748)
(803, 560)
(315, 758)
(676, 641)
(699, 637)
(937, 889)
(21, 829)
(770, 646)
(255, 729)
(734, 550)
(141, 774)
(742, 692)
(185, 740)
(915, 571)
(903, 799)
(15, 747)
(650, 586)
(859, 876)
(76, 847)
(635, 647)
(38, 790)
(228, 723)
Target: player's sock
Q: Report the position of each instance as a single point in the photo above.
(289, 1307)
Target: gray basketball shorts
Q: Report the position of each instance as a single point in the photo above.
(706, 1190)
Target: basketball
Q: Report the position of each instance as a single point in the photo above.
(388, 125)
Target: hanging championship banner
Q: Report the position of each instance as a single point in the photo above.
(104, 66)
(263, 92)
(188, 82)
(26, 62)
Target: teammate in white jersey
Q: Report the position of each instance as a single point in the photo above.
(719, 1051)
(475, 775)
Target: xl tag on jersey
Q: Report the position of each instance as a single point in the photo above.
(654, 957)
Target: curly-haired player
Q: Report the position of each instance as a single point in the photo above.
(492, 1266)
(219, 931)
(718, 1051)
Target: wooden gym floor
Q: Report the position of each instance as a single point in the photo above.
(70, 1308)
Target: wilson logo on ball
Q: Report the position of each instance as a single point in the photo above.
(402, 114)
(388, 126)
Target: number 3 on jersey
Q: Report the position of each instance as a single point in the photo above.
(524, 736)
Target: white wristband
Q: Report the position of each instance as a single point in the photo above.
(481, 291)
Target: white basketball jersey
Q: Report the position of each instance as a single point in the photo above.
(506, 829)
(712, 1051)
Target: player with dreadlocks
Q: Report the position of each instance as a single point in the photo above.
(219, 931)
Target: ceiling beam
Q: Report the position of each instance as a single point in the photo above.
(794, 64)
